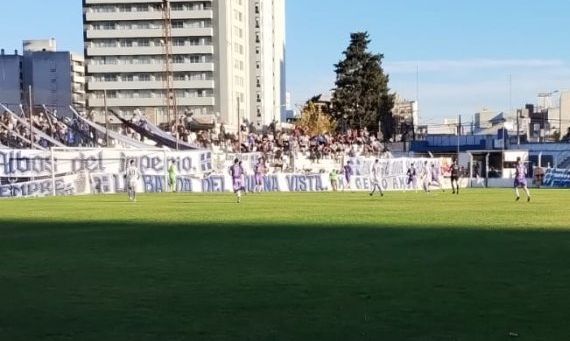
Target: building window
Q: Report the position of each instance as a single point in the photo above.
(196, 59)
(177, 7)
(110, 60)
(177, 24)
(179, 42)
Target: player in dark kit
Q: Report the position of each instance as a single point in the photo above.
(348, 172)
(412, 177)
(455, 177)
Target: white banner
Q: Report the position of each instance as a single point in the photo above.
(27, 173)
(393, 167)
(76, 184)
(39, 164)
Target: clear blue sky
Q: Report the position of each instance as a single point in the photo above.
(465, 50)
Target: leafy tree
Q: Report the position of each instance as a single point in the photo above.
(314, 121)
(361, 91)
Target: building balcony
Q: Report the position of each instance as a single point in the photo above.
(150, 15)
(78, 98)
(98, 2)
(101, 2)
(78, 79)
(150, 33)
(78, 68)
(127, 68)
(78, 89)
(155, 50)
(151, 85)
(150, 102)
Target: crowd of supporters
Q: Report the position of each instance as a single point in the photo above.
(275, 143)
(16, 132)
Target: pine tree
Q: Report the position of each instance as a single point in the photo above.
(361, 91)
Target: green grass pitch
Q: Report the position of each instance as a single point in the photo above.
(286, 266)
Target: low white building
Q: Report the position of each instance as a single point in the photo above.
(405, 114)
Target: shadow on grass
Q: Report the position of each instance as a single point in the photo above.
(119, 281)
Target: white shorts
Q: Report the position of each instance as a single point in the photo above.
(133, 184)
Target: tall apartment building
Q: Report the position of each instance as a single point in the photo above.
(268, 60)
(57, 78)
(211, 68)
(11, 79)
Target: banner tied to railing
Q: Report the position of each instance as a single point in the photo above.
(559, 178)
(31, 173)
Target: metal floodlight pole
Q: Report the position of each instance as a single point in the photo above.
(31, 113)
(239, 124)
(106, 118)
(177, 134)
(503, 148)
(518, 125)
(458, 134)
(560, 116)
(168, 76)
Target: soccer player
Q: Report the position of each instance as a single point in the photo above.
(172, 176)
(520, 179)
(375, 178)
(243, 175)
(412, 177)
(237, 173)
(435, 177)
(455, 177)
(132, 175)
(333, 177)
(348, 172)
(425, 177)
(259, 171)
(476, 172)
